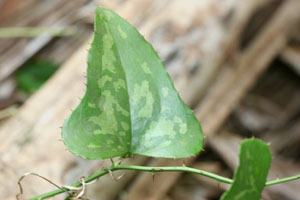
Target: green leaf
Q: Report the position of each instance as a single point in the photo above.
(34, 74)
(130, 105)
(251, 175)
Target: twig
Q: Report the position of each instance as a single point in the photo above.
(8, 112)
(282, 180)
(21, 32)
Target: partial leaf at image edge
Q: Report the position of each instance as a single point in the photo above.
(130, 105)
(251, 174)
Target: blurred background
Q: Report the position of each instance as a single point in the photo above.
(235, 63)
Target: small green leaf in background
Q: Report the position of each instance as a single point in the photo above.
(130, 105)
(251, 174)
(34, 74)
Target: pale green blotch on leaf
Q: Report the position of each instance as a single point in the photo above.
(123, 34)
(142, 95)
(146, 68)
(103, 80)
(251, 174)
(165, 91)
(108, 56)
(130, 105)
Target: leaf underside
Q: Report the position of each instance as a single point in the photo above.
(130, 105)
(251, 174)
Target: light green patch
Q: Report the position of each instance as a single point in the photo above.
(97, 132)
(142, 95)
(248, 155)
(108, 15)
(183, 128)
(109, 142)
(106, 121)
(93, 146)
(160, 146)
(123, 34)
(108, 57)
(122, 133)
(122, 110)
(252, 183)
(241, 195)
(165, 109)
(167, 127)
(160, 128)
(125, 126)
(165, 91)
(165, 144)
(91, 105)
(146, 68)
(103, 80)
(177, 119)
(163, 127)
(119, 84)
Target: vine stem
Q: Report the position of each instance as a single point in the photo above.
(153, 170)
(282, 180)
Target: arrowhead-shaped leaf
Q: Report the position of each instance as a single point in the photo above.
(251, 174)
(130, 105)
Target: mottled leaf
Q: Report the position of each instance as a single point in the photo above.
(130, 105)
(251, 174)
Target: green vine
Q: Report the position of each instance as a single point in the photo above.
(153, 170)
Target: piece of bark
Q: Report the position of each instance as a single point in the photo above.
(291, 55)
(34, 142)
(15, 52)
(233, 25)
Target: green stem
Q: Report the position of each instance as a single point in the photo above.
(153, 170)
(282, 180)
(136, 168)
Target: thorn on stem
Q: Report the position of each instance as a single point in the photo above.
(183, 163)
(113, 176)
(112, 161)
